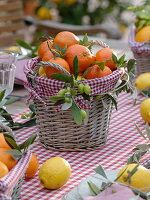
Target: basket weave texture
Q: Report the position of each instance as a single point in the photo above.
(141, 51)
(57, 130)
(10, 185)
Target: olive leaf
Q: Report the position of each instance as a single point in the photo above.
(75, 67)
(100, 171)
(114, 57)
(24, 44)
(11, 141)
(2, 94)
(135, 157)
(28, 142)
(121, 59)
(93, 188)
(75, 110)
(61, 77)
(16, 154)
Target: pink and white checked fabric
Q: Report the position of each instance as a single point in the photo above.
(122, 138)
(45, 87)
(141, 48)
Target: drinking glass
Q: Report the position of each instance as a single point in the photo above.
(7, 70)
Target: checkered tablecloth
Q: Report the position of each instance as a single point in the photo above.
(121, 140)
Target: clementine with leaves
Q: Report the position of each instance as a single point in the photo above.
(3, 143)
(32, 167)
(96, 72)
(47, 55)
(105, 55)
(65, 38)
(43, 48)
(60, 61)
(7, 158)
(85, 57)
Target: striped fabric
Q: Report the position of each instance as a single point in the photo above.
(141, 48)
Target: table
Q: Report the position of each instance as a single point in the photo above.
(122, 138)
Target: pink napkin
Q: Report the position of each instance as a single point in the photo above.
(120, 193)
(20, 77)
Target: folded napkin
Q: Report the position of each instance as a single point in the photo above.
(20, 77)
(114, 192)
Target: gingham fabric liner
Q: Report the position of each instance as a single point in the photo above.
(45, 87)
(122, 138)
(141, 48)
(12, 178)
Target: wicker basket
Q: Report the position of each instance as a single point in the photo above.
(141, 51)
(57, 130)
(10, 185)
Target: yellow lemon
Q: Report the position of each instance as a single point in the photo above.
(145, 110)
(44, 13)
(3, 169)
(140, 179)
(54, 173)
(41, 72)
(15, 48)
(143, 35)
(142, 81)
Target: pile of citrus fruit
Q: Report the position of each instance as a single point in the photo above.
(65, 46)
(7, 161)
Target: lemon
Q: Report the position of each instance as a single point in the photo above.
(44, 13)
(42, 72)
(54, 173)
(140, 179)
(15, 48)
(145, 110)
(142, 81)
(143, 35)
(3, 169)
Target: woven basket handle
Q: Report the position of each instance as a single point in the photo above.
(6, 128)
(56, 66)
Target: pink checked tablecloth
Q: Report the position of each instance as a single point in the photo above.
(121, 139)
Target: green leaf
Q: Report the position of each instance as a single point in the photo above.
(2, 94)
(66, 106)
(105, 105)
(59, 102)
(32, 108)
(11, 141)
(61, 77)
(114, 100)
(15, 153)
(57, 47)
(93, 188)
(100, 171)
(135, 158)
(24, 44)
(6, 116)
(85, 39)
(86, 96)
(121, 59)
(131, 65)
(28, 142)
(142, 147)
(140, 132)
(75, 67)
(114, 57)
(148, 130)
(75, 111)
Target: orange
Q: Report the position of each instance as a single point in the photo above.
(60, 61)
(65, 38)
(43, 48)
(104, 55)
(96, 72)
(32, 167)
(3, 143)
(47, 55)
(3, 169)
(143, 35)
(7, 158)
(85, 57)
